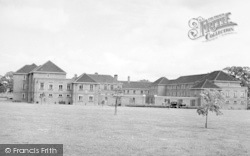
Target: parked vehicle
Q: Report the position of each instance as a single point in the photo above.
(175, 104)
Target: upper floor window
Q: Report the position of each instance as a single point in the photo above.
(141, 91)
(50, 87)
(68, 86)
(60, 87)
(60, 95)
(128, 91)
(91, 87)
(134, 91)
(24, 86)
(242, 94)
(42, 86)
(105, 87)
(235, 94)
(111, 87)
(50, 95)
(81, 87)
(68, 95)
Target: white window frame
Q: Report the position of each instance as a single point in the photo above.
(80, 99)
(92, 98)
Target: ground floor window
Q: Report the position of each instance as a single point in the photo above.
(192, 102)
(23, 95)
(80, 98)
(91, 98)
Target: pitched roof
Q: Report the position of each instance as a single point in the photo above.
(135, 84)
(96, 78)
(49, 67)
(160, 81)
(26, 69)
(220, 76)
(216, 75)
(205, 84)
(188, 79)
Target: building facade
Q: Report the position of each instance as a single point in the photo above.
(48, 84)
(135, 92)
(187, 89)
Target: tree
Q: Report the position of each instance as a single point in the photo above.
(212, 102)
(117, 95)
(6, 82)
(240, 73)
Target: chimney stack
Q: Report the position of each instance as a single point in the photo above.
(116, 77)
(128, 79)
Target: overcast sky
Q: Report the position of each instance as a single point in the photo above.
(143, 39)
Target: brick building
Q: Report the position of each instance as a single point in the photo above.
(187, 89)
(135, 92)
(48, 84)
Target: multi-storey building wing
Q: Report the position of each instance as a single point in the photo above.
(187, 89)
(135, 92)
(20, 78)
(95, 89)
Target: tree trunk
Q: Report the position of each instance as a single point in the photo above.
(115, 106)
(206, 120)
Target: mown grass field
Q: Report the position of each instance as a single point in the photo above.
(95, 130)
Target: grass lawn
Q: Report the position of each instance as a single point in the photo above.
(95, 130)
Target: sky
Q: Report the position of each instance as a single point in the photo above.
(143, 39)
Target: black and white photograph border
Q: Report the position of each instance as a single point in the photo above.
(124, 77)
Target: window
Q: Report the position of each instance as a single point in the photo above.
(68, 95)
(60, 95)
(50, 87)
(235, 94)
(141, 91)
(235, 102)
(134, 91)
(41, 86)
(50, 95)
(105, 87)
(68, 86)
(23, 86)
(60, 87)
(80, 98)
(91, 98)
(81, 87)
(111, 87)
(91, 87)
(23, 96)
(128, 91)
(242, 94)
(192, 102)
